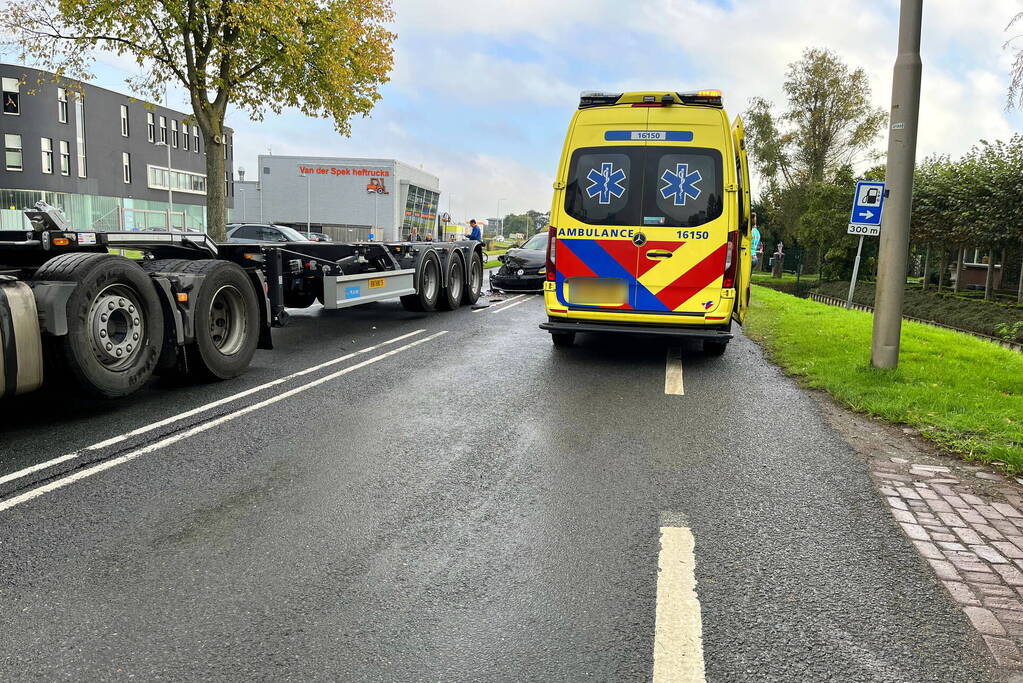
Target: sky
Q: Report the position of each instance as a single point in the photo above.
(482, 90)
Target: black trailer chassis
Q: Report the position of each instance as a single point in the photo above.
(75, 313)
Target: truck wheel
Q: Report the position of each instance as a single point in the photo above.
(428, 285)
(563, 339)
(299, 299)
(714, 348)
(115, 324)
(451, 296)
(226, 319)
(474, 282)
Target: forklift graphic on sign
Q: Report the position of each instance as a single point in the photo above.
(376, 185)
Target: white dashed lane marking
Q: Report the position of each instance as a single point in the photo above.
(673, 372)
(678, 631)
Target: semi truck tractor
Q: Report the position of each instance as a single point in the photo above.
(74, 313)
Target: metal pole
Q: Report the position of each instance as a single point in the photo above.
(259, 190)
(856, 270)
(308, 206)
(894, 245)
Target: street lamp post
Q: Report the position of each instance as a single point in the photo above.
(170, 192)
(499, 219)
(894, 240)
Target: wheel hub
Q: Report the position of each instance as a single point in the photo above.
(117, 326)
(227, 320)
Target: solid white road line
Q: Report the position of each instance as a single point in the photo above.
(197, 411)
(505, 308)
(673, 372)
(499, 303)
(678, 632)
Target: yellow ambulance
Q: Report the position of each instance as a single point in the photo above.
(650, 227)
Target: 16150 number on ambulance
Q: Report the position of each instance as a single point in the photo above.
(650, 227)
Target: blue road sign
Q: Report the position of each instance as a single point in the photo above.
(867, 203)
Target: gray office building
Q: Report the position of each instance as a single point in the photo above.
(101, 156)
(346, 198)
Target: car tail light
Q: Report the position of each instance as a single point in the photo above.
(731, 259)
(551, 247)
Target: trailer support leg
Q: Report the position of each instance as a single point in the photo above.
(275, 287)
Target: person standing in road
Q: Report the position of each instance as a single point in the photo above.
(474, 233)
(758, 249)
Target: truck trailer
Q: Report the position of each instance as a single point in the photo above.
(75, 314)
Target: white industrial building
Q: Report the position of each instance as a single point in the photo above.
(346, 198)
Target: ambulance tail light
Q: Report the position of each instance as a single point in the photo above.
(731, 259)
(552, 240)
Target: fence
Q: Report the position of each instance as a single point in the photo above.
(833, 301)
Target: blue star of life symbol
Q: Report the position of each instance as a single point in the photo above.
(680, 184)
(605, 182)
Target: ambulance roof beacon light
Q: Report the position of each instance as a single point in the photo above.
(594, 98)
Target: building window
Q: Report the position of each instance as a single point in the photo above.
(126, 166)
(180, 181)
(80, 134)
(124, 120)
(12, 105)
(46, 144)
(163, 129)
(184, 136)
(62, 105)
(65, 158)
(195, 138)
(151, 126)
(12, 152)
(174, 133)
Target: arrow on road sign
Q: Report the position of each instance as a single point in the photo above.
(867, 214)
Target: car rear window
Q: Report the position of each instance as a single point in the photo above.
(657, 185)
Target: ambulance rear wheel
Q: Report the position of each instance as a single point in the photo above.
(563, 339)
(451, 296)
(427, 285)
(714, 348)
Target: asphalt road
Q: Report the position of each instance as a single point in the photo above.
(473, 506)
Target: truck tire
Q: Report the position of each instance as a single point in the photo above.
(473, 280)
(226, 317)
(714, 348)
(451, 295)
(115, 324)
(299, 299)
(427, 285)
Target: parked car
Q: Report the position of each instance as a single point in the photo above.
(318, 236)
(523, 269)
(263, 232)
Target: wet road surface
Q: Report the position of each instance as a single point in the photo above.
(456, 499)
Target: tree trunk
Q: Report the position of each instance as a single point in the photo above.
(990, 277)
(942, 268)
(1019, 294)
(216, 183)
(927, 267)
(959, 269)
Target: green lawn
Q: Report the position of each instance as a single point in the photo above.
(961, 392)
(785, 277)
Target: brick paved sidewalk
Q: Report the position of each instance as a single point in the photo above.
(973, 543)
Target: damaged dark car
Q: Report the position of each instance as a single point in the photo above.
(522, 269)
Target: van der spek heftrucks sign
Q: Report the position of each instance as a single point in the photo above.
(344, 171)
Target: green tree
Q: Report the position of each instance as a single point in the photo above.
(324, 57)
(829, 122)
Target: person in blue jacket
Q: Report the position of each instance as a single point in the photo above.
(474, 233)
(755, 240)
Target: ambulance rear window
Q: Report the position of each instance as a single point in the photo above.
(655, 185)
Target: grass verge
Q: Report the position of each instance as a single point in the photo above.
(960, 392)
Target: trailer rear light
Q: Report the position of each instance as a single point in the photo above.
(60, 241)
(731, 259)
(552, 239)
